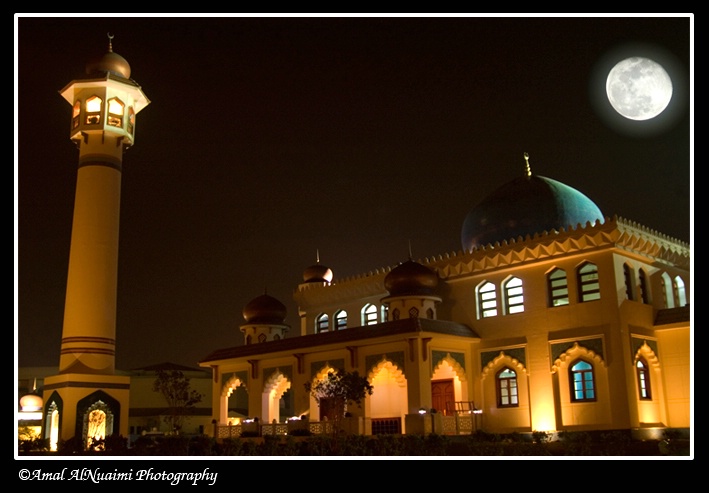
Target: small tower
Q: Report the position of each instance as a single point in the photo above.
(412, 291)
(86, 399)
(265, 320)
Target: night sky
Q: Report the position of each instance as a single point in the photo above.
(268, 140)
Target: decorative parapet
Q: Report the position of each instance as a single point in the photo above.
(614, 232)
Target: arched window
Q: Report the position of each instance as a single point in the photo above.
(248, 339)
(628, 276)
(369, 314)
(93, 110)
(262, 337)
(643, 373)
(76, 111)
(115, 112)
(558, 288)
(680, 293)
(582, 382)
(322, 323)
(644, 287)
(487, 300)
(429, 313)
(341, 320)
(667, 291)
(507, 390)
(395, 315)
(413, 312)
(514, 295)
(589, 288)
(131, 120)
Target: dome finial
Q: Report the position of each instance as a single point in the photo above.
(317, 255)
(411, 256)
(110, 42)
(528, 170)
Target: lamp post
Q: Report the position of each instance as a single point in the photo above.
(478, 413)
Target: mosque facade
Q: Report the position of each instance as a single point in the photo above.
(550, 318)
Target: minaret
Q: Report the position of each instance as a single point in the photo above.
(87, 399)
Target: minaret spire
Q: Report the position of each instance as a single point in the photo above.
(528, 169)
(110, 42)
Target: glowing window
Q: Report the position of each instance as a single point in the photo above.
(369, 315)
(507, 391)
(582, 383)
(514, 295)
(680, 293)
(589, 288)
(76, 111)
(131, 120)
(322, 323)
(487, 300)
(93, 110)
(341, 320)
(115, 112)
(643, 374)
(558, 288)
(667, 295)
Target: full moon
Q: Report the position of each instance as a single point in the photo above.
(639, 88)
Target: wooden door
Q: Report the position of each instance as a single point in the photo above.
(441, 393)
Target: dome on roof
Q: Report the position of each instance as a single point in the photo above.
(525, 206)
(109, 62)
(317, 273)
(265, 309)
(31, 402)
(411, 278)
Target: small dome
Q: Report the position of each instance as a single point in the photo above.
(317, 273)
(110, 62)
(265, 309)
(411, 278)
(525, 206)
(31, 402)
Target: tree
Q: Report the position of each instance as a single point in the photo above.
(340, 389)
(181, 399)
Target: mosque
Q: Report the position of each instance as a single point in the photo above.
(551, 317)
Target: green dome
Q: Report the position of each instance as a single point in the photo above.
(525, 206)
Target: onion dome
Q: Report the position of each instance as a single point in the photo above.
(110, 62)
(411, 278)
(317, 272)
(525, 206)
(31, 402)
(266, 310)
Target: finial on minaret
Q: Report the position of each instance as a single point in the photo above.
(411, 257)
(317, 255)
(110, 42)
(528, 169)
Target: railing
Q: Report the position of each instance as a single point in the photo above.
(458, 424)
(386, 426)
